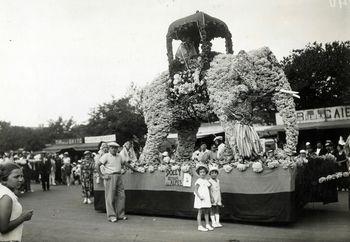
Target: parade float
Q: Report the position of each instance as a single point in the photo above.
(237, 89)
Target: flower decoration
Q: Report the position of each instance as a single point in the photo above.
(151, 168)
(321, 179)
(257, 167)
(227, 168)
(141, 169)
(242, 167)
(162, 167)
(175, 167)
(185, 168)
(273, 164)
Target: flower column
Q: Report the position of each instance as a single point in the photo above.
(187, 132)
(158, 118)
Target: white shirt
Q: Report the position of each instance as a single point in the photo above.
(198, 154)
(15, 234)
(221, 150)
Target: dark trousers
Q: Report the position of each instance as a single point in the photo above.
(27, 184)
(45, 182)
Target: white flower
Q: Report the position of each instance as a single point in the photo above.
(185, 168)
(257, 167)
(339, 174)
(166, 159)
(227, 168)
(175, 167)
(162, 168)
(345, 174)
(273, 164)
(241, 167)
(321, 180)
(151, 168)
(329, 177)
(141, 169)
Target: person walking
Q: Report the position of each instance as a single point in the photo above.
(109, 167)
(52, 176)
(45, 170)
(11, 214)
(87, 172)
(66, 169)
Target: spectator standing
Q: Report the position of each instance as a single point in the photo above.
(58, 164)
(213, 154)
(45, 169)
(202, 154)
(128, 154)
(52, 177)
(87, 171)
(66, 169)
(110, 166)
(330, 147)
(219, 142)
(319, 149)
(11, 214)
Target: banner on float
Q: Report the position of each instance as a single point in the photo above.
(102, 138)
(318, 115)
(173, 177)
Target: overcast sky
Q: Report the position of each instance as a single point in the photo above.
(64, 57)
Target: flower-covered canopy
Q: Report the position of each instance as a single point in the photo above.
(190, 27)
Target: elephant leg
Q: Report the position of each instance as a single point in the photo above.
(186, 140)
(156, 135)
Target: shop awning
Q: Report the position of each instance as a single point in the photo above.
(77, 147)
(207, 129)
(339, 124)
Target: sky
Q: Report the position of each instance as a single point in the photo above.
(66, 57)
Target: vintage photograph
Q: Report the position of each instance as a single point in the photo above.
(174, 120)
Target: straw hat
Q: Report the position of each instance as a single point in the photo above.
(113, 144)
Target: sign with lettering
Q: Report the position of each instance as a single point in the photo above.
(319, 115)
(173, 177)
(187, 180)
(97, 139)
(68, 141)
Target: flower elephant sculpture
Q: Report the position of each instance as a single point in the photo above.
(238, 87)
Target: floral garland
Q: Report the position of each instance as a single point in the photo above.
(334, 176)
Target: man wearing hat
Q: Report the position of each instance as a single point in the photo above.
(330, 147)
(114, 189)
(219, 141)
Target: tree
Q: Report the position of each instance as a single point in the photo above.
(321, 73)
(60, 129)
(117, 117)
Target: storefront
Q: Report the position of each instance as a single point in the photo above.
(319, 125)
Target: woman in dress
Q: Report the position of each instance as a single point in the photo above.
(11, 215)
(87, 173)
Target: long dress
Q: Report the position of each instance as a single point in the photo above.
(87, 173)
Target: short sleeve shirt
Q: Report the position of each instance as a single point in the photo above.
(112, 163)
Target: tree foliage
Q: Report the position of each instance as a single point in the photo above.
(117, 117)
(321, 73)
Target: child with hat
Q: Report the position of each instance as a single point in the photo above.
(202, 197)
(215, 196)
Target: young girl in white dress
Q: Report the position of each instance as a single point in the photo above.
(202, 198)
(215, 196)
